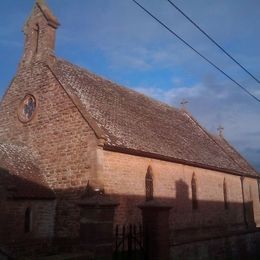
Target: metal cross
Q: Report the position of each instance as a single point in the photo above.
(220, 130)
(183, 103)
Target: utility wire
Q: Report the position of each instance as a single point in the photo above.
(201, 55)
(212, 40)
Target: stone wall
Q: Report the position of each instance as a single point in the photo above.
(242, 246)
(65, 143)
(124, 178)
(13, 220)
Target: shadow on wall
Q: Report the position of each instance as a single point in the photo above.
(190, 219)
(194, 219)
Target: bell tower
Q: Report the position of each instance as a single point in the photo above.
(40, 33)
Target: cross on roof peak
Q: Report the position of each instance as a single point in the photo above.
(220, 130)
(183, 103)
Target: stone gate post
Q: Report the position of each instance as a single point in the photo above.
(96, 225)
(156, 227)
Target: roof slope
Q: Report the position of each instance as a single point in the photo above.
(133, 121)
(20, 175)
(234, 154)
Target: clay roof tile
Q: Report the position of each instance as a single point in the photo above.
(133, 121)
(20, 174)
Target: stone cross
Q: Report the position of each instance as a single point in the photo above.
(183, 103)
(220, 130)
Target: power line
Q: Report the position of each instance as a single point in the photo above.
(212, 40)
(201, 55)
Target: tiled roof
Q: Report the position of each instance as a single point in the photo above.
(20, 175)
(133, 121)
(234, 154)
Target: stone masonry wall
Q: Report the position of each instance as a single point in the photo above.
(124, 178)
(58, 133)
(13, 217)
(252, 199)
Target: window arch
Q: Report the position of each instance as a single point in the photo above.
(28, 220)
(37, 37)
(194, 192)
(149, 184)
(226, 204)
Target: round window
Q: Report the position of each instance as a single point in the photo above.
(27, 108)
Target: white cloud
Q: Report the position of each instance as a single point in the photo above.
(215, 105)
(129, 40)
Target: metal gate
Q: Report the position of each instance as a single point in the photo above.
(4, 256)
(129, 242)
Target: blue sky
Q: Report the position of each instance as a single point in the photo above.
(117, 40)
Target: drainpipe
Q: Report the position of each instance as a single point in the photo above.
(258, 185)
(243, 195)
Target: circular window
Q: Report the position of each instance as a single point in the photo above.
(27, 108)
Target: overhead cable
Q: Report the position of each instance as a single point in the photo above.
(212, 40)
(201, 55)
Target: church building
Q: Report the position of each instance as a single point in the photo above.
(81, 155)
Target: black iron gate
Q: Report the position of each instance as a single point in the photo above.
(129, 242)
(4, 255)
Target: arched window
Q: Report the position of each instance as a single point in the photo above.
(149, 184)
(226, 204)
(194, 192)
(37, 37)
(28, 220)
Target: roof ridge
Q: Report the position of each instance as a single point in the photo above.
(89, 119)
(201, 127)
(210, 136)
(132, 120)
(130, 90)
(234, 150)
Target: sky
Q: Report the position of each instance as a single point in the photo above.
(116, 39)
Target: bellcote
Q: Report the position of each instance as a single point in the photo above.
(40, 32)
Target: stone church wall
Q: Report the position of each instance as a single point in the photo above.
(69, 158)
(124, 178)
(252, 200)
(58, 133)
(13, 220)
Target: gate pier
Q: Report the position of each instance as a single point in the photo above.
(96, 224)
(156, 229)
